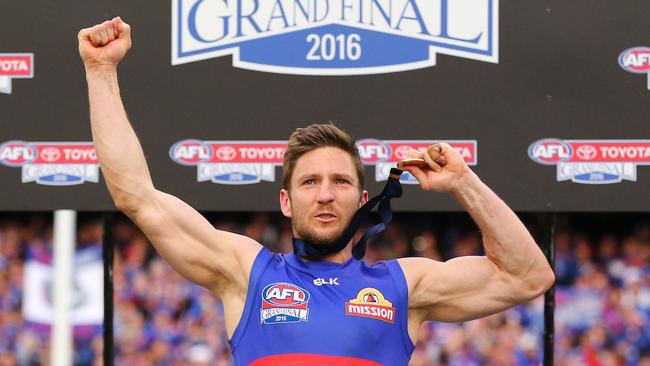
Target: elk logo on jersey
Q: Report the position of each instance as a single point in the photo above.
(370, 303)
(284, 302)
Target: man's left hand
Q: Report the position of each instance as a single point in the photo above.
(444, 171)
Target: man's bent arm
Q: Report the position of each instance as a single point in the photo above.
(506, 240)
(513, 271)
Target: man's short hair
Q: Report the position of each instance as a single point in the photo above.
(313, 137)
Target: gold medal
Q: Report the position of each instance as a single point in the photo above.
(433, 151)
(419, 162)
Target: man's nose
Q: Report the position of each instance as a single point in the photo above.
(325, 194)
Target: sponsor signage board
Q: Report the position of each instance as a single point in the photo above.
(592, 161)
(15, 66)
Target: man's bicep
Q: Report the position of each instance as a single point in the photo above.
(460, 289)
(192, 246)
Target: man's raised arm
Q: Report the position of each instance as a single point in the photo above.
(214, 259)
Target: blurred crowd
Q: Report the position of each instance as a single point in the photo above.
(602, 293)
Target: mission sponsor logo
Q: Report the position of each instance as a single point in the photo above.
(230, 162)
(52, 163)
(384, 154)
(284, 302)
(334, 37)
(592, 161)
(636, 60)
(15, 66)
(370, 303)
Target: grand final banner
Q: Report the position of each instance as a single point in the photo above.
(547, 101)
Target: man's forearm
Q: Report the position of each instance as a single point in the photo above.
(507, 241)
(118, 149)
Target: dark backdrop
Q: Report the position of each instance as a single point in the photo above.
(557, 76)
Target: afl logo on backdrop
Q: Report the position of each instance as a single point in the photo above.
(190, 152)
(372, 151)
(333, 37)
(636, 60)
(16, 153)
(550, 151)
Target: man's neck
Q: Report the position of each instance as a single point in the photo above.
(339, 257)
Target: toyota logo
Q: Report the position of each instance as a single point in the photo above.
(586, 152)
(403, 151)
(50, 154)
(226, 153)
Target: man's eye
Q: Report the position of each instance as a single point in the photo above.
(309, 182)
(342, 181)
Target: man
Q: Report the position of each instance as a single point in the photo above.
(325, 310)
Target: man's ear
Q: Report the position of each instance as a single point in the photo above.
(364, 198)
(285, 203)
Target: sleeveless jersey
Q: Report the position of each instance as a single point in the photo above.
(301, 313)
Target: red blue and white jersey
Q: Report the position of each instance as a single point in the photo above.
(321, 313)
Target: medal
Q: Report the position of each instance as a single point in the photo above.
(433, 151)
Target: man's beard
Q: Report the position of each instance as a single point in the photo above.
(308, 235)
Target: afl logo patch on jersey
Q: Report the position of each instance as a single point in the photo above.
(284, 302)
(370, 303)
